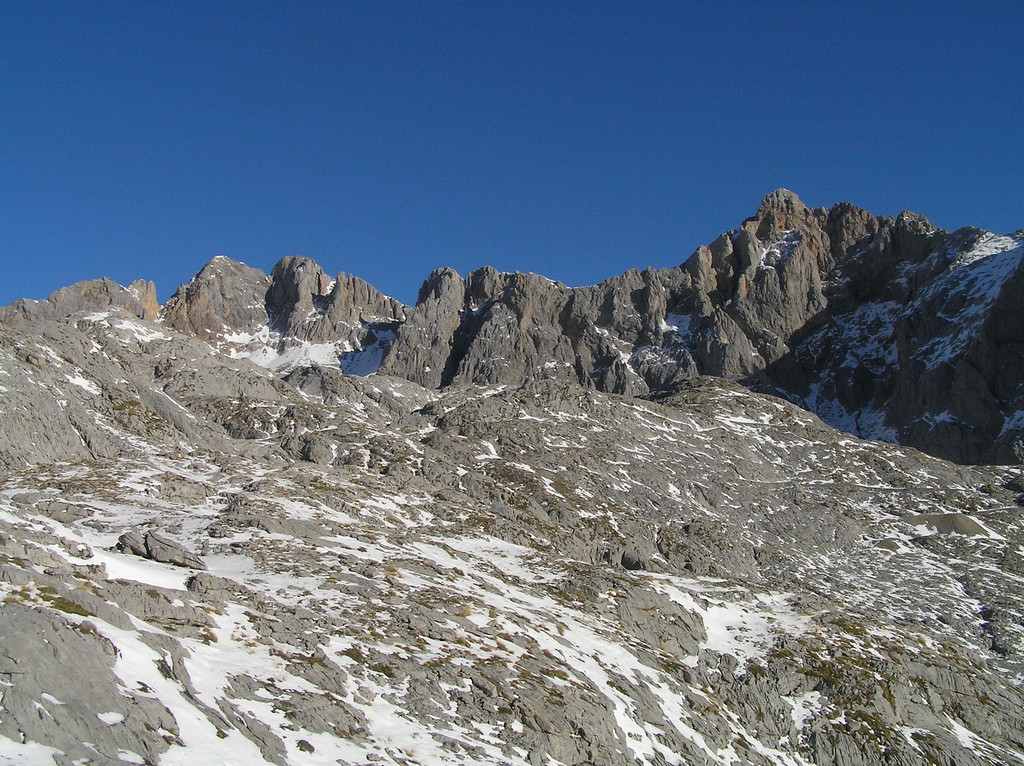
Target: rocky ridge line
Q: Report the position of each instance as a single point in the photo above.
(888, 328)
(304, 566)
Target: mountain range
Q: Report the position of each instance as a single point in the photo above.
(760, 508)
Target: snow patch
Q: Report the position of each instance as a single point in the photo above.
(304, 354)
(779, 251)
(805, 708)
(140, 332)
(81, 382)
(26, 753)
(678, 323)
(366, 361)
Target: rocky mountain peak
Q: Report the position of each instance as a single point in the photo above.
(781, 200)
(484, 285)
(521, 523)
(442, 284)
(850, 229)
(138, 299)
(296, 284)
(779, 212)
(305, 303)
(271, 319)
(224, 297)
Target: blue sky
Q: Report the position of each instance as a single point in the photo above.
(572, 139)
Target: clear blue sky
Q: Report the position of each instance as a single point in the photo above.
(572, 139)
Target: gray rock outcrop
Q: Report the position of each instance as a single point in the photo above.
(225, 297)
(886, 327)
(82, 714)
(158, 548)
(138, 299)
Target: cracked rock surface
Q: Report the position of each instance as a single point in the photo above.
(206, 560)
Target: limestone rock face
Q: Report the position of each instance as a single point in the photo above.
(424, 343)
(885, 327)
(50, 704)
(138, 299)
(889, 328)
(298, 315)
(731, 310)
(224, 297)
(304, 303)
(493, 328)
(861, 318)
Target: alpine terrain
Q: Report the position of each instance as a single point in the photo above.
(760, 508)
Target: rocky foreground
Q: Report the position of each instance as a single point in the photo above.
(518, 541)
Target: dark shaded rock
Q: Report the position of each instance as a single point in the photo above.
(423, 345)
(304, 303)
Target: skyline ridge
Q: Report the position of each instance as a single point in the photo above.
(573, 141)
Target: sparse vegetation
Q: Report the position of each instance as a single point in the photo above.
(458, 568)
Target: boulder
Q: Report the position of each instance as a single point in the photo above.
(158, 548)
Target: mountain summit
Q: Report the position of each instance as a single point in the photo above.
(886, 328)
(286, 519)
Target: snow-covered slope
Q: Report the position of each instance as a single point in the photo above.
(241, 567)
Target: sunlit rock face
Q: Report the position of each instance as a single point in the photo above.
(886, 328)
(541, 525)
